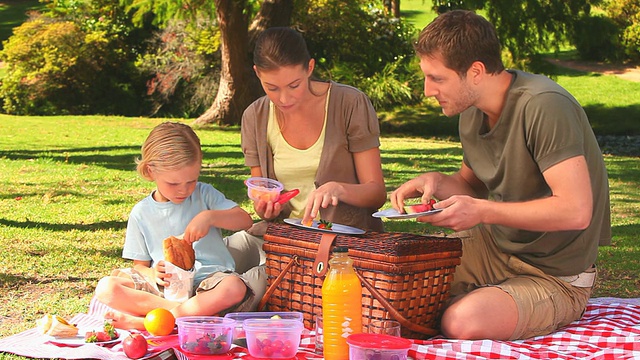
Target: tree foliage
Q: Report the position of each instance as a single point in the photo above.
(528, 27)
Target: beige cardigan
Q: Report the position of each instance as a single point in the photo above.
(352, 126)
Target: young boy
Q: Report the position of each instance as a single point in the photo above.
(180, 204)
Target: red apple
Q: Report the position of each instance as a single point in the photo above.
(134, 346)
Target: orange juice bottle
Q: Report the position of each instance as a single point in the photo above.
(341, 305)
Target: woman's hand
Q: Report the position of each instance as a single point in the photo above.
(327, 194)
(267, 210)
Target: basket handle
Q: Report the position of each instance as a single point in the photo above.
(276, 282)
(395, 313)
(320, 265)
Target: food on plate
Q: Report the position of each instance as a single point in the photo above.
(159, 322)
(107, 333)
(179, 252)
(56, 326)
(135, 346)
(286, 196)
(307, 223)
(414, 209)
(324, 224)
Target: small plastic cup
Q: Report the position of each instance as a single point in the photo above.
(319, 335)
(388, 327)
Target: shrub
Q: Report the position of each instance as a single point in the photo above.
(361, 46)
(71, 60)
(183, 64)
(597, 38)
(626, 15)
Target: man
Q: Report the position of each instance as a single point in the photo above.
(531, 199)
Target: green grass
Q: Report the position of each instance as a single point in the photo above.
(68, 184)
(417, 12)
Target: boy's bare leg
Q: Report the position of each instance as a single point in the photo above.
(229, 292)
(119, 293)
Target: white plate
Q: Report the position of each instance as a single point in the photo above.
(394, 214)
(335, 228)
(78, 340)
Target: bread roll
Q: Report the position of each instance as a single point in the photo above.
(56, 326)
(179, 252)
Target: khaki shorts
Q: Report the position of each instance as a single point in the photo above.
(544, 302)
(143, 284)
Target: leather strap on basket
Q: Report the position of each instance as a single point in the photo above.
(395, 313)
(321, 264)
(276, 282)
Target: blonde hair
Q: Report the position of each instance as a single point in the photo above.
(169, 146)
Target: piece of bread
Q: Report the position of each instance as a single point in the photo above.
(179, 252)
(56, 326)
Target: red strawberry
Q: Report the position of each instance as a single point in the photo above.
(103, 336)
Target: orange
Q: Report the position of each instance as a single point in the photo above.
(159, 322)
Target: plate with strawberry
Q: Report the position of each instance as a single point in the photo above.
(410, 211)
(325, 226)
(106, 335)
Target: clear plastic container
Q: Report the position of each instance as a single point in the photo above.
(378, 347)
(273, 338)
(261, 188)
(205, 335)
(341, 305)
(239, 336)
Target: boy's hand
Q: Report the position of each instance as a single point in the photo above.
(197, 228)
(159, 273)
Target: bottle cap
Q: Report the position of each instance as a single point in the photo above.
(340, 249)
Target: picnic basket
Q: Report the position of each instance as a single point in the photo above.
(406, 277)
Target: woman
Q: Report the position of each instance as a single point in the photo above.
(319, 137)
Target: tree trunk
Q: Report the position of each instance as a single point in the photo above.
(395, 8)
(238, 84)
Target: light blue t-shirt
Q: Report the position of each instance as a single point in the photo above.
(150, 222)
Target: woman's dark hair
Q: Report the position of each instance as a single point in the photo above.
(280, 46)
(461, 37)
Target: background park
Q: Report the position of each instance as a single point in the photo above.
(83, 82)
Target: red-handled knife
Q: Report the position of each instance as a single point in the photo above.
(286, 196)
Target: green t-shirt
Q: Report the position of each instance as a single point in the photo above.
(541, 125)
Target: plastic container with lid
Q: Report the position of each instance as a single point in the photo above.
(239, 336)
(205, 335)
(377, 347)
(341, 305)
(273, 338)
(261, 188)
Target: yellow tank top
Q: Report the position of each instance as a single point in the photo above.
(295, 168)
